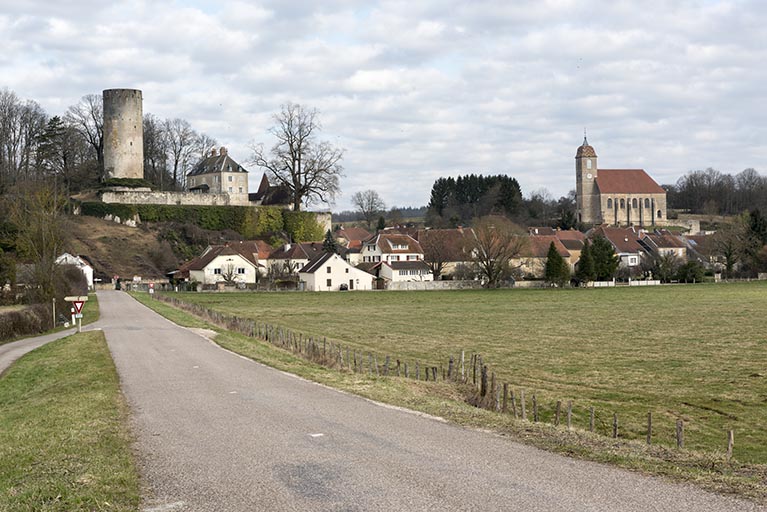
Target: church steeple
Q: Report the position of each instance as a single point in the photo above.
(585, 183)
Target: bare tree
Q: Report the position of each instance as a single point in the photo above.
(369, 204)
(309, 169)
(87, 117)
(203, 146)
(180, 141)
(155, 151)
(21, 125)
(229, 274)
(496, 242)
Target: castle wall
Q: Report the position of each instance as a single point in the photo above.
(123, 133)
(172, 198)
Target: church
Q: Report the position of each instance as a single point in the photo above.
(618, 197)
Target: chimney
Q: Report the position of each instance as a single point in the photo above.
(213, 152)
(222, 151)
(287, 247)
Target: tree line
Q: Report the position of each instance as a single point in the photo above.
(712, 192)
(68, 148)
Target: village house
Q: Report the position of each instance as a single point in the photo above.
(80, 263)
(385, 247)
(329, 271)
(351, 239)
(233, 263)
(447, 248)
(663, 243)
(289, 258)
(625, 242)
(402, 271)
(219, 174)
(531, 262)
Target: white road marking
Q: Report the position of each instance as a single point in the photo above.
(233, 392)
(163, 508)
(316, 435)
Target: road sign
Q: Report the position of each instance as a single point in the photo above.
(77, 298)
(79, 315)
(78, 304)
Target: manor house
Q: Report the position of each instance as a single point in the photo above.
(619, 197)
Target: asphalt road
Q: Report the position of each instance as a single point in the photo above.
(217, 432)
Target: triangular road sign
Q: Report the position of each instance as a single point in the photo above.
(78, 304)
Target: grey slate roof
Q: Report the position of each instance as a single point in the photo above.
(217, 163)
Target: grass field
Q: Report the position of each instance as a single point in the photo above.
(697, 353)
(64, 444)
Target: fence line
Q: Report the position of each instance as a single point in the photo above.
(483, 389)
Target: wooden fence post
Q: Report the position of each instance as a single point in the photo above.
(535, 410)
(649, 427)
(730, 444)
(569, 415)
(450, 368)
(463, 369)
(523, 404)
(505, 406)
(483, 383)
(407, 371)
(615, 425)
(591, 419)
(513, 404)
(417, 371)
(679, 434)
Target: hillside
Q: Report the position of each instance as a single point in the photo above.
(120, 250)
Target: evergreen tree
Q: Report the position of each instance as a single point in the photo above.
(584, 271)
(381, 223)
(556, 271)
(605, 260)
(329, 244)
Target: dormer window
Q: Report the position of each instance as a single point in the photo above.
(588, 164)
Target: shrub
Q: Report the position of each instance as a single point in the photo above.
(31, 320)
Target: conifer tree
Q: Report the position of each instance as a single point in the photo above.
(556, 271)
(585, 269)
(329, 244)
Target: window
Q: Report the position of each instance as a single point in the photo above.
(394, 258)
(634, 203)
(240, 270)
(328, 269)
(217, 271)
(230, 178)
(347, 270)
(609, 204)
(402, 272)
(646, 203)
(632, 260)
(240, 190)
(330, 283)
(660, 214)
(230, 189)
(588, 164)
(623, 203)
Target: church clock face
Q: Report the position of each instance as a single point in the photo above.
(589, 176)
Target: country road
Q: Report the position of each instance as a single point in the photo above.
(218, 432)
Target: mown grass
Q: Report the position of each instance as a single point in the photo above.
(64, 443)
(696, 353)
(706, 469)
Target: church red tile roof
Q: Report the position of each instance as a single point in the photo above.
(627, 181)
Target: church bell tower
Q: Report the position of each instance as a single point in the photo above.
(587, 196)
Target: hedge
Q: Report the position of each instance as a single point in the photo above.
(31, 320)
(249, 221)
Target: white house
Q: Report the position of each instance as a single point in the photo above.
(224, 263)
(385, 247)
(77, 261)
(402, 271)
(330, 271)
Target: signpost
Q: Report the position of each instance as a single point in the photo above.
(78, 302)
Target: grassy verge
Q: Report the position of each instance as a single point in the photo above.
(90, 315)
(707, 469)
(64, 444)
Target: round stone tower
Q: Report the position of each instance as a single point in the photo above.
(123, 133)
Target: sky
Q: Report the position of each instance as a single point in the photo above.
(414, 91)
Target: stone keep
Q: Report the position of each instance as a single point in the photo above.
(123, 133)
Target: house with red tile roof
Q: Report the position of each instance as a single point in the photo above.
(389, 247)
(625, 241)
(234, 262)
(532, 260)
(445, 249)
(618, 197)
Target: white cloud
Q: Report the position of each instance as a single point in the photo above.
(418, 90)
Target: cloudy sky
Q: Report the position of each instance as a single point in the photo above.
(415, 90)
